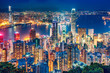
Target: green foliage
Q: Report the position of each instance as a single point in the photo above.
(6, 67)
(76, 70)
(93, 68)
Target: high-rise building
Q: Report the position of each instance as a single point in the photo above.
(54, 31)
(70, 37)
(73, 54)
(91, 32)
(30, 47)
(18, 49)
(51, 58)
(32, 34)
(16, 36)
(76, 53)
(37, 42)
(4, 55)
(10, 15)
(63, 32)
(73, 21)
(1, 38)
(83, 55)
(50, 32)
(82, 34)
(69, 53)
(36, 56)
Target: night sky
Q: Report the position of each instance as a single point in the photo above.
(65, 5)
(59, 4)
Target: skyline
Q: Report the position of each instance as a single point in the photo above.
(57, 4)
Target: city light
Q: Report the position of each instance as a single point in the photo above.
(52, 37)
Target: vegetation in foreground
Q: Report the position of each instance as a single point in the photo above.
(93, 68)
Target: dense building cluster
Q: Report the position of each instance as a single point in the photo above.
(60, 51)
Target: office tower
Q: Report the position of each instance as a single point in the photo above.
(50, 32)
(40, 53)
(73, 21)
(36, 55)
(83, 55)
(89, 58)
(70, 37)
(16, 36)
(91, 33)
(24, 47)
(30, 47)
(1, 38)
(76, 53)
(82, 35)
(70, 56)
(73, 54)
(63, 32)
(37, 42)
(4, 55)
(32, 34)
(97, 39)
(51, 58)
(59, 57)
(10, 15)
(54, 31)
(18, 49)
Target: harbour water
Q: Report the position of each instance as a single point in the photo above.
(85, 21)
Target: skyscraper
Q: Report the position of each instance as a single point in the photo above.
(10, 15)
(18, 49)
(54, 31)
(82, 34)
(73, 21)
(63, 32)
(91, 32)
(1, 38)
(32, 34)
(16, 36)
(4, 55)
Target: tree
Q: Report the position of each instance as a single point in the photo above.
(93, 68)
(76, 70)
(6, 67)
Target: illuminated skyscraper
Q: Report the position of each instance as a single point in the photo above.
(37, 42)
(36, 56)
(4, 55)
(32, 34)
(82, 34)
(18, 49)
(91, 32)
(73, 21)
(54, 31)
(69, 52)
(50, 32)
(10, 15)
(16, 36)
(70, 37)
(73, 54)
(1, 38)
(64, 32)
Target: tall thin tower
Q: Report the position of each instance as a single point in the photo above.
(10, 15)
(73, 21)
